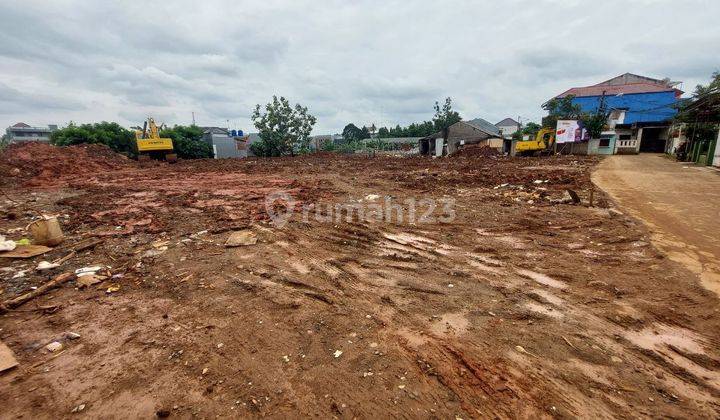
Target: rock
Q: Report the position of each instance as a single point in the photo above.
(72, 335)
(241, 238)
(54, 346)
(162, 413)
(614, 212)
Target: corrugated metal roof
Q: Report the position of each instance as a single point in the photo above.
(507, 122)
(484, 125)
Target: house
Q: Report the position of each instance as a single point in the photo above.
(508, 127)
(450, 140)
(224, 143)
(24, 132)
(641, 109)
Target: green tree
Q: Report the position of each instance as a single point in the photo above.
(596, 121)
(701, 112)
(4, 141)
(530, 129)
(188, 141)
(352, 133)
(284, 130)
(445, 116)
(111, 134)
(560, 109)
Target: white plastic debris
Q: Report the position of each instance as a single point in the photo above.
(372, 197)
(45, 265)
(6, 245)
(88, 271)
(337, 353)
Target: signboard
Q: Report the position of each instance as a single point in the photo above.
(571, 131)
(148, 145)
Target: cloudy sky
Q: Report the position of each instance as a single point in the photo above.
(382, 62)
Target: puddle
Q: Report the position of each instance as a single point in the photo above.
(542, 279)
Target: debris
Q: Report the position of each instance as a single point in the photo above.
(113, 288)
(44, 265)
(337, 353)
(46, 231)
(54, 346)
(401, 386)
(25, 251)
(521, 349)
(55, 282)
(205, 371)
(574, 196)
(72, 335)
(89, 280)
(7, 358)
(241, 238)
(372, 197)
(6, 245)
(78, 409)
(88, 271)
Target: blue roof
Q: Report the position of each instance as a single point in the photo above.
(640, 107)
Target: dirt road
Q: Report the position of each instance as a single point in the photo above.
(680, 203)
(521, 306)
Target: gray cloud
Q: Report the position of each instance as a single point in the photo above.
(363, 61)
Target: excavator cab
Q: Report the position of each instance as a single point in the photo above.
(150, 145)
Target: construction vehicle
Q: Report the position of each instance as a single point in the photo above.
(151, 145)
(542, 143)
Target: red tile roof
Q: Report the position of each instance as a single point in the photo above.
(21, 125)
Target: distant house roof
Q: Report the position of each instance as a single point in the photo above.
(625, 84)
(507, 122)
(484, 125)
(21, 125)
(214, 130)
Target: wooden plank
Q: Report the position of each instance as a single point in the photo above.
(25, 251)
(7, 358)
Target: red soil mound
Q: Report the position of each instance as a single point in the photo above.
(35, 164)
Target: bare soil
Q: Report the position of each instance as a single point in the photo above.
(520, 307)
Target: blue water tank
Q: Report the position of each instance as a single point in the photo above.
(240, 133)
(234, 133)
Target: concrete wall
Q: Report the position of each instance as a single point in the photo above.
(225, 147)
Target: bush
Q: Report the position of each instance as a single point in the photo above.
(188, 142)
(111, 134)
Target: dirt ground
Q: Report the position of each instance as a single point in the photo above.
(679, 202)
(521, 306)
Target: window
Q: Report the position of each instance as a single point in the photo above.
(624, 136)
(604, 141)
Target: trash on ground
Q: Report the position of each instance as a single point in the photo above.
(6, 245)
(54, 346)
(45, 265)
(46, 231)
(113, 288)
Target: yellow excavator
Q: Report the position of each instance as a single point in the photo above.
(151, 145)
(543, 143)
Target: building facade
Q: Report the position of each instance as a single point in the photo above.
(508, 127)
(20, 132)
(641, 110)
(224, 144)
